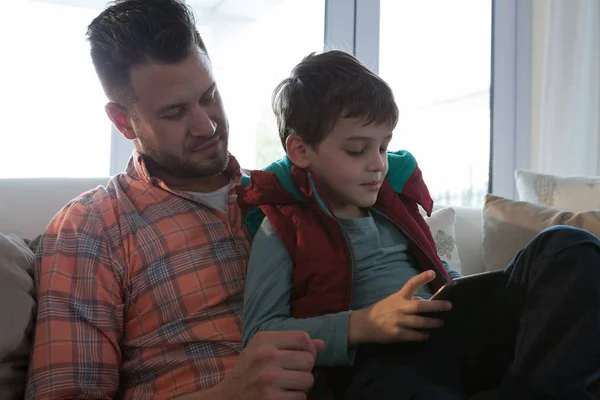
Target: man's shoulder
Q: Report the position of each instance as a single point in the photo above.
(90, 208)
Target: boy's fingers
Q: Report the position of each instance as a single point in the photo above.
(412, 286)
(420, 322)
(427, 306)
(411, 335)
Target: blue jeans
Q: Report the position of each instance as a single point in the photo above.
(536, 335)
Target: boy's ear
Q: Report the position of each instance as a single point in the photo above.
(119, 118)
(297, 150)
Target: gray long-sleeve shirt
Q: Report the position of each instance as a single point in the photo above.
(384, 264)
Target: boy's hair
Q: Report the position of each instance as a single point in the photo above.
(328, 86)
(131, 32)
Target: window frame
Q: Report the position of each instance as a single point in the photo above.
(510, 146)
(510, 83)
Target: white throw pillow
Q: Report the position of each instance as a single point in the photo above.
(572, 193)
(441, 223)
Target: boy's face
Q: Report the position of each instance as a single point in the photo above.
(351, 164)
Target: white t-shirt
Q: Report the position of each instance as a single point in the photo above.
(217, 199)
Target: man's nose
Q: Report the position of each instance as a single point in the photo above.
(202, 124)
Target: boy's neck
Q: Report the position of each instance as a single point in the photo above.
(341, 209)
(349, 211)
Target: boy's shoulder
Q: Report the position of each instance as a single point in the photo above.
(402, 165)
(405, 178)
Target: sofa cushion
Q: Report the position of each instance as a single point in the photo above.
(469, 236)
(28, 205)
(17, 310)
(573, 193)
(509, 225)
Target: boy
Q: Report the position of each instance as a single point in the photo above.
(339, 235)
(341, 250)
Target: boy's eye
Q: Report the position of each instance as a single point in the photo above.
(354, 153)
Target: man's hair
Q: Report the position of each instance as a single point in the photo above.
(132, 32)
(328, 86)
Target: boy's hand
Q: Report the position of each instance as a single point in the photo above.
(396, 318)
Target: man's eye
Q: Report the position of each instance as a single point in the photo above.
(208, 100)
(175, 115)
(383, 150)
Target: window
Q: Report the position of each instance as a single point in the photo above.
(253, 46)
(53, 105)
(436, 56)
(53, 120)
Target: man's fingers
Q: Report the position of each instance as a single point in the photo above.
(296, 360)
(293, 380)
(319, 345)
(418, 322)
(412, 286)
(287, 340)
(291, 395)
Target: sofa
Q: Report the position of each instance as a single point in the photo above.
(27, 205)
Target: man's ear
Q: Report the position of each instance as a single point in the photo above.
(298, 151)
(119, 118)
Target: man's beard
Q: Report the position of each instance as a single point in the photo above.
(182, 167)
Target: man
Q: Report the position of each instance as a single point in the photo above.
(140, 283)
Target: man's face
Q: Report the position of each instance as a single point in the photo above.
(178, 117)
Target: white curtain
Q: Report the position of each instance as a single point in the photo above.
(566, 87)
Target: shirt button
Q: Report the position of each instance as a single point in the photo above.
(233, 230)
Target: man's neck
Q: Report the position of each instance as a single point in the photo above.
(201, 185)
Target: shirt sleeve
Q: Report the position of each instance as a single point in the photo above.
(76, 350)
(451, 273)
(267, 301)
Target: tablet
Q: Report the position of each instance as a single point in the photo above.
(469, 287)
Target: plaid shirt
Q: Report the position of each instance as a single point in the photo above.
(140, 292)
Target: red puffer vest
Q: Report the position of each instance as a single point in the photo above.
(324, 260)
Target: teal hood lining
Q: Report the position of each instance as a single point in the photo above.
(401, 166)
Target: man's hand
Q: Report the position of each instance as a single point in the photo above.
(396, 318)
(274, 365)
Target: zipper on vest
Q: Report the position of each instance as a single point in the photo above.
(321, 204)
(405, 233)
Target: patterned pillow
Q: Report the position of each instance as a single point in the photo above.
(572, 193)
(441, 223)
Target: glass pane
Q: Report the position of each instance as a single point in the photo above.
(53, 120)
(253, 46)
(436, 56)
